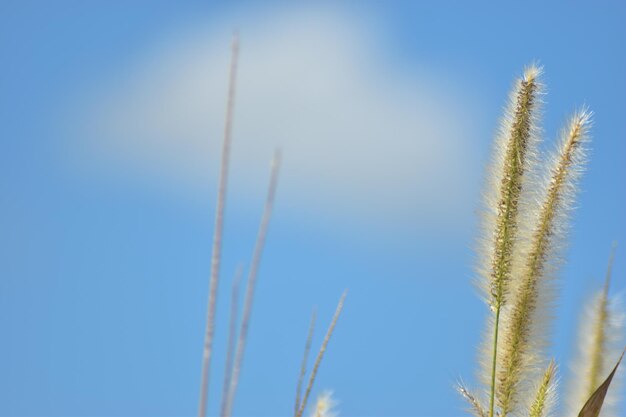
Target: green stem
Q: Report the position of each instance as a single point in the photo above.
(493, 364)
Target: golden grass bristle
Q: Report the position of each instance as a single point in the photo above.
(218, 231)
(252, 277)
(320, 354)
(525, 323)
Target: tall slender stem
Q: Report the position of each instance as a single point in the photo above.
(252, 277)
(320, 354)
(217, 233)
(492, 394)
(232, 336)
(305, 357)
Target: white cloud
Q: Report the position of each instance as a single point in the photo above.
(360, 136)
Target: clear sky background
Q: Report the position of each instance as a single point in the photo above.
(110, 127)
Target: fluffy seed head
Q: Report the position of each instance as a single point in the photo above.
(516, 144)
(475, 406)
(514, 158)
(545, 393)
(527, 320)
(324, 406)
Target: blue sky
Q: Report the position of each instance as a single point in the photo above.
(110, 124)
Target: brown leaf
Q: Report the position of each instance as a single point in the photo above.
(594, 404)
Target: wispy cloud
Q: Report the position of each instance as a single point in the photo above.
(361, 136)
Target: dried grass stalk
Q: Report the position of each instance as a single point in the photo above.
(252, 277)
(320, 354)
(305, 358)
(217, 232)
(232, 336)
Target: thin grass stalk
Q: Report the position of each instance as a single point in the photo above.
(252, 276)
(494, 363)
(232, 335)
(218, 231)
(305, 358)
(522, 322)
(320, 354)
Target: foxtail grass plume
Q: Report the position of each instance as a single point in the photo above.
(526, 323)
(514, 156)
(545, 393)
(324, 406)
(600, 341)
(524, 231)
(475, 406)
(516, 144)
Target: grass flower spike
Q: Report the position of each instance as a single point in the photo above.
(475, 406)
(545, 393)
(524, 232)
(515, 149)
(324, 406)
(526, 322)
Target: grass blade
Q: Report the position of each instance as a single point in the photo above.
(593, 406)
